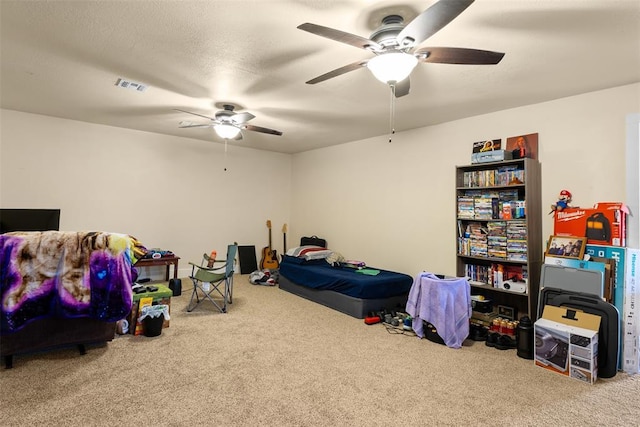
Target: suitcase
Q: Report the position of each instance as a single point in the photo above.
(609, 332)
(313, 241)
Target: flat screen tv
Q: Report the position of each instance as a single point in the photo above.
(29, 220)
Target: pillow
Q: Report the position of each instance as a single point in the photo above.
(301, 250)
(309, 252)
(321, 254)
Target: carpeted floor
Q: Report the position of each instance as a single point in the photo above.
(276, 359)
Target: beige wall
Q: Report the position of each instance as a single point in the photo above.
(392, 205)
(171, 193)
(389, 204)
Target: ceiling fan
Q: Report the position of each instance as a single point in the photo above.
(227, 123)
(394, 45)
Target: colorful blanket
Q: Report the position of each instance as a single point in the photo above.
(65, 274)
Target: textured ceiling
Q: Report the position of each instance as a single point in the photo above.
(63, 58)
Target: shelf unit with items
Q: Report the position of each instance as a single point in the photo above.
(499, 231)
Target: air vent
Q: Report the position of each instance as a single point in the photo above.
(139, 87)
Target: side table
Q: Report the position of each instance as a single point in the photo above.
(154, 262)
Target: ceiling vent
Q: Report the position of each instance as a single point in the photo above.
(139, 87)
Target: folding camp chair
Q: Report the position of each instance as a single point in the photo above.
(213, 283)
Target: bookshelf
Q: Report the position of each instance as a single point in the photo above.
(499, 231)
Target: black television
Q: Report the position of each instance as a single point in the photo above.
(29, 220)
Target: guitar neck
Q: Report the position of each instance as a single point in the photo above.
(284, 237)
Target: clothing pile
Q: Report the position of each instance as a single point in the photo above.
(264, 277)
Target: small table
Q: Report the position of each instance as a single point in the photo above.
(165, 260)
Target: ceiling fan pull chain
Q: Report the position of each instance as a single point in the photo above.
(392, 117)
(225, 154)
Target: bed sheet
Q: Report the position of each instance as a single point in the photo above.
(318, 274)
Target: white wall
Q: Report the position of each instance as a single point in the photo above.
(633, 178)
(392, 205)
(389, 204)
(169, 192)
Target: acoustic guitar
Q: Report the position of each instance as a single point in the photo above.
(269, 258)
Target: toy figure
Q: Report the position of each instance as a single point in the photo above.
(563, 202)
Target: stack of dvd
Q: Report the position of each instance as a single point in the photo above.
(465, 207)
(517, 241)
(482, 207)
(477, 240)
(497, 239)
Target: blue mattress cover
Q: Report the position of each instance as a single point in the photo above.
(319, 274)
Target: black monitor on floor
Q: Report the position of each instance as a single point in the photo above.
(29, 220)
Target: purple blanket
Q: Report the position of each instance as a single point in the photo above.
(65, 274)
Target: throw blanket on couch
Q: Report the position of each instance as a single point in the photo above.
(65, 274)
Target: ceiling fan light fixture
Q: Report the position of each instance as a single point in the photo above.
(392, 66)
(226, 131)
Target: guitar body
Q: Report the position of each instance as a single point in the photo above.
(269, 259)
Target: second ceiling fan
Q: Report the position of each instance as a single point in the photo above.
(394, 45)
(227, 123)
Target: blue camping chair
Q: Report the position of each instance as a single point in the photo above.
(213, 283)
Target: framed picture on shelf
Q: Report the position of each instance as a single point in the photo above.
(566, 247)
(523, 146)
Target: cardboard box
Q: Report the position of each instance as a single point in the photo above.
(631, 342)
(567, 343)
(618, 255)
(490, 156)
(601, 226)
(487, 145)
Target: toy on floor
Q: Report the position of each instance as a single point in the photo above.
(563, 202)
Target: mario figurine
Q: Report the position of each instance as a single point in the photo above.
(563, 202)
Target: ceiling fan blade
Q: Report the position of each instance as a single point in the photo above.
(197, 126)
(261, 129)
(458, 55)
(402, 88)
(240, 118)
(431, 21)
(338, 71)
(341, 36)
(195, 114)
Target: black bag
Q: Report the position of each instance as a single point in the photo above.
(313, 241)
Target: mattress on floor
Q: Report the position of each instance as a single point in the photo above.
(356, 307)
(320, 275)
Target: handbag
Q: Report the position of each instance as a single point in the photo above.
(313, 241)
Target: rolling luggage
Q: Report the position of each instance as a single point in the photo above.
(609, 332)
